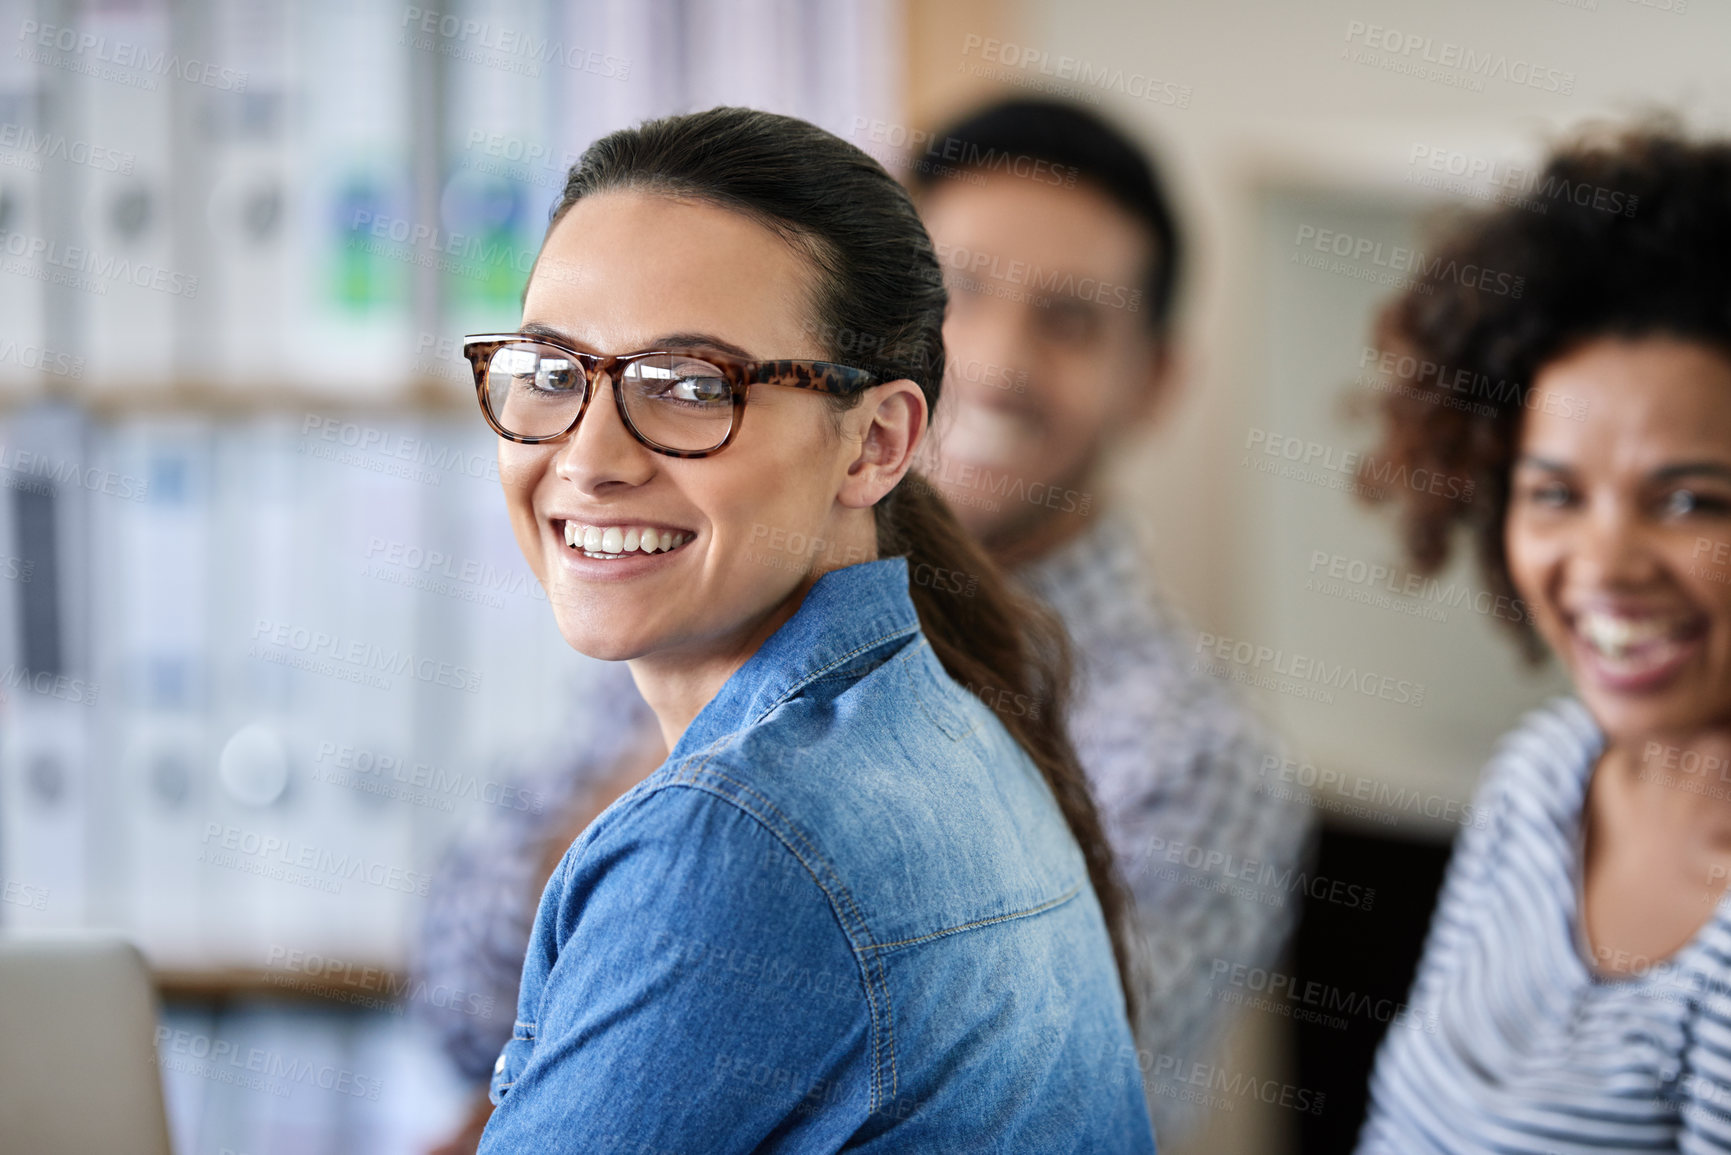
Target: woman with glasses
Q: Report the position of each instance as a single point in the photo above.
(1577, 979)
(865, 902)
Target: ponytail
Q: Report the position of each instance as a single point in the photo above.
(1011, 652)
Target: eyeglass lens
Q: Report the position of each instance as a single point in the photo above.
(674, 400)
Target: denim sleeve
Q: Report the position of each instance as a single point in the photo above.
(687, 988)
(482, 902)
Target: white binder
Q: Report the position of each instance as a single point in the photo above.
(50, 824)
(129, 281)
(374, 681)
(23, 155)
(152, 650)
(247, 155)
(258, 581)
(353, 111)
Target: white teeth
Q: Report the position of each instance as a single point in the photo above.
(1614, 636)
(614, 542)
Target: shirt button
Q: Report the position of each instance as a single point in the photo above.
(500, 1065)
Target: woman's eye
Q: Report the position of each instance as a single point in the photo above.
(556, 376)
(701, 388)
(697, 388)
(1548, 493)
(681, 380)
(1683, 502)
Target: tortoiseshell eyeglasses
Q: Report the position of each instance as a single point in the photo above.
(534, 389)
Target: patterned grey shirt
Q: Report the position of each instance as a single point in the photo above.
(1174, 759)
(1177, 764)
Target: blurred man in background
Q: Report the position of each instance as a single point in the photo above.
(1062, 258)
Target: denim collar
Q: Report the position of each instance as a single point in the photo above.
(846, 614)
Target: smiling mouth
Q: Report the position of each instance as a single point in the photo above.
(1636, 647)
(990, 436)
(612, 542)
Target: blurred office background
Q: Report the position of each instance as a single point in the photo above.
(266, 640)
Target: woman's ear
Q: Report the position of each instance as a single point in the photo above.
(887, 425)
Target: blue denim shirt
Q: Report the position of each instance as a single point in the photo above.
(846, 913)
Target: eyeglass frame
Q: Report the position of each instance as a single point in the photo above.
(820, 376)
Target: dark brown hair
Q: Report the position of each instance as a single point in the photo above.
(1084, 146)
(1626, 234)
(879, 305)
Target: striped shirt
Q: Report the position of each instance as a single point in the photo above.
(1513, 1043)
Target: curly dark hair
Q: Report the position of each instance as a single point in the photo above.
(1625, 233)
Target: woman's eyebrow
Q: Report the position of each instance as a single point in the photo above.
(672, 342)
(1693, 468)
(1532, 462)
(675, 342)
(538, 329)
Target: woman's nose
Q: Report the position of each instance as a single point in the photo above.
(986, 351)
(601, 449)
(1613, 547)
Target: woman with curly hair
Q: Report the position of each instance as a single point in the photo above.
(1576, 984)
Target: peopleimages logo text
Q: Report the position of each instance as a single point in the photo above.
(106, 268)
(1400, 259)
(1483, 65)
(99, 49)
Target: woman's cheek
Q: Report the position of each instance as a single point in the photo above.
(1531, 558)
(519, 465)
(519, 473)
(1709, 587)
(1519, 554)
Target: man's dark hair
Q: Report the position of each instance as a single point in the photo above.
(1100, 154)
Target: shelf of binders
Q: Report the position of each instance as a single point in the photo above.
(264, 629)
(307, 222)
(255, 672)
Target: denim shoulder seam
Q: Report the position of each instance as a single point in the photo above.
(884, 948)
(819, 674)
(841, 660)
(954, 728)
(841, 900)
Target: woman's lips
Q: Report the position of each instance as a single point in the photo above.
(1634, 653)
(614, 542)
